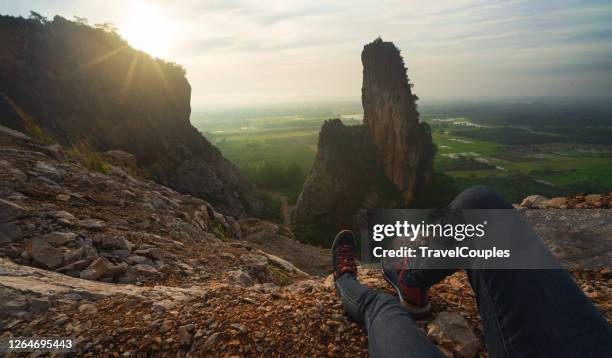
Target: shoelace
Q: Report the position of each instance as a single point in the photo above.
(345, 257)
(413, 295)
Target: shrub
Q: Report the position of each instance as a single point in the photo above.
(89, 157)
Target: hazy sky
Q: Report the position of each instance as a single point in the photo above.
(243, 52)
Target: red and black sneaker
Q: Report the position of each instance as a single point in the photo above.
(343, 254)
(414, 299)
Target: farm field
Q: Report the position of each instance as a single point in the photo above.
(276, 150)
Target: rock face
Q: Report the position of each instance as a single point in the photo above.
(380, 164)
(98, 90)
(341, 178)
(403, 144)
(451, 331)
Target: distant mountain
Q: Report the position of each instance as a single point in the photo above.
(81, 84)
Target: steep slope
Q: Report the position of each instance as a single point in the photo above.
(84, 85)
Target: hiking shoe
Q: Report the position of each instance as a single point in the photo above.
(343, 254)
(414, 299)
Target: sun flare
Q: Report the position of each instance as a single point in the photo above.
(147, 30)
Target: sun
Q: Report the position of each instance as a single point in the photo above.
(146, 29)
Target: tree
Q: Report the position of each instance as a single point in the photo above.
(38, 17)
(107, 27)
(81, 20)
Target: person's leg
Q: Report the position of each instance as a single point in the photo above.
(538, 313)
(391, 331)
(533, 313)
(528, 313)
(477, 197)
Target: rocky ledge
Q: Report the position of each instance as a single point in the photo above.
(577, 201)
(129, 267)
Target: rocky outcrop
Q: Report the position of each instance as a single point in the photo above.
(74, 84)
(382, 163)
(403, 143)
(577, 201)
(342, 178)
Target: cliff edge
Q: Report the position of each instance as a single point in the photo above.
(81, 85)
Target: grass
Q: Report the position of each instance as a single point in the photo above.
(458, 145)
(30, 127)
(279, 277)
(601, 176)
(290, 143)
(89, 157)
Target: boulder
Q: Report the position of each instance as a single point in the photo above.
(38, 305)
(62, 214)
(13, 133)
(9, 233)
(121, 254)
(73, 255)
(92, 224)
(118, 270)
(152, 253)
(138, 260)
(211, 341)
(533, 201)
(98, 269)
(10, 211)
(59, 239)
(14, 173)
(75, 266)
(120, 243)
(55, 151)
(559, 202)
(255, 261)
(48, 171)
(240, 278)
(88, 308)
(451, 330)
(592, 198)
(184, 335)
(11, 305)
(140, 273)
(42, 253)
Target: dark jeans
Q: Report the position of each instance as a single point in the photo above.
(525, 313)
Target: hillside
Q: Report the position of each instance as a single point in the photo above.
(93, 89)
(128, 266)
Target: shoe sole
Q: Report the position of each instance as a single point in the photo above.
(415, 312)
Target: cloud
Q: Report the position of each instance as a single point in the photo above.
(250, 50)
